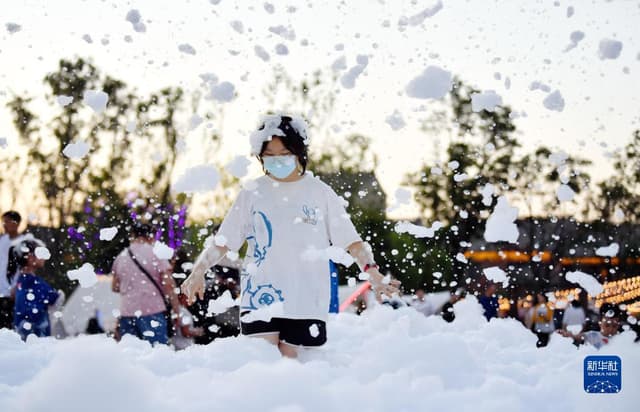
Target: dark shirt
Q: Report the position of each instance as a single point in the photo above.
(33, 297)
(490, 305)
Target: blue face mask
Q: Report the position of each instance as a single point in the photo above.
(280, 166)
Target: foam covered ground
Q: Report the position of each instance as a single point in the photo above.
(385, 360)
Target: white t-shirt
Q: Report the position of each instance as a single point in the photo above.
(5, 243)
(573, 316)
(289, 227)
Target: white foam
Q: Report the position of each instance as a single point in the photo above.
(282, 49)
(221, 304)
(360, 368)
(575, 37)
(419, 18)
(134, 17)
(12, 28)
(501, 224)
(554, 101)
(270, 129)
(497, 275)
(85, 274)
(202, 178)
(348, 80)
(223, 92)
(162, 251)
(195, 121)
(314, 330)
(487, 192)
(433, 83)
(237, 26)
(586, 281)
(64, 100)
(261, 53)
(43, 253)
(76, 150)
(131, 126)
(339, 64)
(108, 233)
(238, 166)
(487, 100)
(417, 230)
(285, 32)
(395, 121)
(611, 250)
(609, 49)
(187, 49)
(334, 253)
(96, 99)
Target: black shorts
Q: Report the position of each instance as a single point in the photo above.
(298, 332)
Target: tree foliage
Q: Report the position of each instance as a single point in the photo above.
(622, 190)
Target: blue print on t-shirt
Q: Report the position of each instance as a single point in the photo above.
(263, 295)
(310, 215)
(262, 236)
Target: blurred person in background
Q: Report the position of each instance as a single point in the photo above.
(33, 295)
(219, 279)
(447, 311)
(186, 331)
(489, 301)
(574, 316)
(149, 303)
(540, 319)
(611, 321)
(8, 267)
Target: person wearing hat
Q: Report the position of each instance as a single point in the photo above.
(294, 224)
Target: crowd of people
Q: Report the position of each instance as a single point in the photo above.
(151, 306)
(576, 318)
(154, 309)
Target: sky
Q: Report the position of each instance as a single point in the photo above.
(482, 42)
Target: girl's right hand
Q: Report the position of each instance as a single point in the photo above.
(193, 287)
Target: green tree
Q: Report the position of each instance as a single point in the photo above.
(622, 190)
(482, 152)
(161, 133)
(88, 194)
(64, 182)
(314, 97)
(536, 178)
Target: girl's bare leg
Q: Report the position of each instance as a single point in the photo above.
(287, 351)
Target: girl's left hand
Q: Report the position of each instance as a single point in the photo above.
(380, 287)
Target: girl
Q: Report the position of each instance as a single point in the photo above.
(33, 295)
(293, 223)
